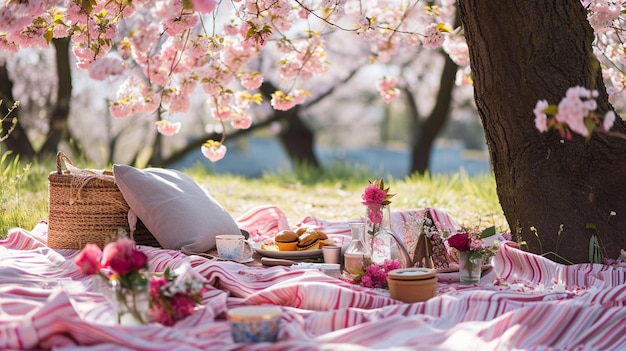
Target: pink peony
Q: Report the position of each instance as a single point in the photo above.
(122, 256)
(373, 195)
(88, 260)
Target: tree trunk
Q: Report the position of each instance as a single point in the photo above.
(297, 138)
(61, 110)
(17, 141)
(424, 135)
(522, 52)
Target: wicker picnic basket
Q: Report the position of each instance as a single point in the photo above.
(86, 206)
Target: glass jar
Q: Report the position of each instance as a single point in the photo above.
(131, 298)
(384, 244)
(469, 268)
(356, 257)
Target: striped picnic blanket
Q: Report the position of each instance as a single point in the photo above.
(524, 303)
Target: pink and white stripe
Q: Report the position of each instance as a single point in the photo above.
(525, 303)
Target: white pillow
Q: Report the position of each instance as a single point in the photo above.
(174, 208)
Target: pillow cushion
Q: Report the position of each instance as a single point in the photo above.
(174, 208)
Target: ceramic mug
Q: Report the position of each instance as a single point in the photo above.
(254, 323)
(234, 247)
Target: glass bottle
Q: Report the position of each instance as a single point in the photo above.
(131, 299)
(384, 242)
(356, 257)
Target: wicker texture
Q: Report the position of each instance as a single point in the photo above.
(87, 207)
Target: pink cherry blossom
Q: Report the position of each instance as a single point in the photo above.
(282, 102)
(387, 89)
(433, 38)
(168, 128)
(241, 122)
(252, 80)
(573, 109)
(608, 121)
(540, 116)
(214, 151)
(204, 6)
(105, 67)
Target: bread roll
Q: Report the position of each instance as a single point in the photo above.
(321, 234)
(308, 241)
(286, 240)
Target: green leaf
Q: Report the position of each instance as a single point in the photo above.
(551, 110)
(491, 231)
(48, 35)
(591, 226)
(594, 250)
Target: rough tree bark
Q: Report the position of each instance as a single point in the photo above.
(521, 52)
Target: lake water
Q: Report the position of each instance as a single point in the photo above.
(259, 155)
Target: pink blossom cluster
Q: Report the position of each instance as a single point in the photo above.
(178, 47)
(572, 114)
(606, 18)
(375, 276)
(387, 89)
(174, 299)
(602, 14)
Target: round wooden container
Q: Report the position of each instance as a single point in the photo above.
(412, 284)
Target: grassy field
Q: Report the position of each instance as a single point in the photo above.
(334, 194)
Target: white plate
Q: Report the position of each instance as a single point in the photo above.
(287, 254)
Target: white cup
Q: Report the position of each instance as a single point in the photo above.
(234, 247)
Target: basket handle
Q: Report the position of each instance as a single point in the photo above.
(65, 158)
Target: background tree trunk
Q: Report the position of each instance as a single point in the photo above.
(17, 140)
(296, 137)
(522, 52)
(61, 111)
(426, 132)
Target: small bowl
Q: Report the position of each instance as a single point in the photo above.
(412, 284)
(254, 323)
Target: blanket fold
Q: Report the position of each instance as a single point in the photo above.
(524, 302)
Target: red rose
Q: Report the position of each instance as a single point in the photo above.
(460, 241)
(139, 260)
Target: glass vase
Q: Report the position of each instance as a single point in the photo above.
(131, 298)
(384, 244)
(469, 268)
(357, 256)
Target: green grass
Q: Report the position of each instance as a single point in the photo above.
(334, 194)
